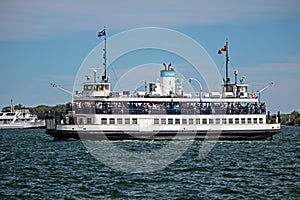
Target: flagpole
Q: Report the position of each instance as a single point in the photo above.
(104, 56)
(227, 61)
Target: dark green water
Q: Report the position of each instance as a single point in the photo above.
(35, 167)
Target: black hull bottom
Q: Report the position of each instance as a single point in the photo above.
(237, 135)
(38, 127)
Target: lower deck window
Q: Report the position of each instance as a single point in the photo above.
(237, 121)
(127, 121)
(255, 121)
(204, 121)
(261, 121)
(191, 121)
(230, 121)
(88, 120)
(112, 121)
(211, 121)
(177, 121)
(170, 121)
(134, 120)
(243, 121)
(103, 121)
(184, 121)
(156, 121)
(163, 121)
(249, 121)
(224, 121)
(119, 121)
(197, 121)
(218, 121)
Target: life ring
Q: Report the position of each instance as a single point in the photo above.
(253, 95)
(110, 94)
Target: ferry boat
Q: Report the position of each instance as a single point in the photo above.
(164, 113)
(20, 119)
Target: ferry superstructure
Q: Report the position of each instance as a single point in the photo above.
(164, 112)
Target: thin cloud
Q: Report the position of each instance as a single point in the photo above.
(62, 77)
(39, 19)
(288, 69)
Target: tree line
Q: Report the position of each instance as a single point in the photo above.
(292, 119)
(40, 109)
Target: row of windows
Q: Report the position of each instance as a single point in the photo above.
(5, 121)
(210, 121)
(110, 121)
(178, 121)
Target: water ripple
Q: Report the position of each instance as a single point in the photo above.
(35, 167)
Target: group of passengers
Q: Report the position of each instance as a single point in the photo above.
(231, 108)
(168, 108)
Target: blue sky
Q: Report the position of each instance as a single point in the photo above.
(46, 41)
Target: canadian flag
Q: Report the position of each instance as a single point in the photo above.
(223, 49)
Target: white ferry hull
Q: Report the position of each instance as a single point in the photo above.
(150, 127)
(200, 132)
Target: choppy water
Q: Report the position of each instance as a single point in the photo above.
(35, 167)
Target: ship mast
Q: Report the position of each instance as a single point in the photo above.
(227, 79)
(100, 34)
(104, 57)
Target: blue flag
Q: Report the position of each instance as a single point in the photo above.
(101, 33)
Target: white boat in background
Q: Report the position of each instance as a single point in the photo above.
(20, 119)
